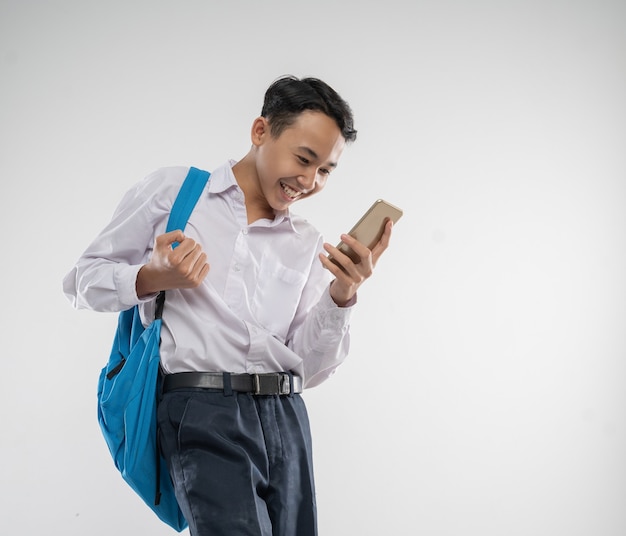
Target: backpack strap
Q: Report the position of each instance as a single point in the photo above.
(186, 200)
(183, 206)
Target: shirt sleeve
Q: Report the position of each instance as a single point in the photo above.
(321, 332)
(104, 277)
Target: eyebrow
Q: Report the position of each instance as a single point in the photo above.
(314, 155)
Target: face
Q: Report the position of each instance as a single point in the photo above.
(297, 163)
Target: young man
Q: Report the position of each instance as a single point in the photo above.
(255, 312)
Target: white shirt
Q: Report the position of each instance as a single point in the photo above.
(265, 304)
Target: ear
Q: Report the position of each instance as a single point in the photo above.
(260, 131)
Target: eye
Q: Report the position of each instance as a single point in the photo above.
(303, 160)
(325, 171)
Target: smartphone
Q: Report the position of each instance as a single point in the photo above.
(369, 228)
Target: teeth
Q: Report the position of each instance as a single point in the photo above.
(289, 191)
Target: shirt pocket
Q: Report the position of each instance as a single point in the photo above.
(276, 297)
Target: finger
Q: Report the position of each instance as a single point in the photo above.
(167, 239)
(187, 255)
(383, 243)
(166, 243)
(333, 265)
(361, 251)
(192, 270)
(341, 265)
(199, 263)
(361, 267)
(203, 273)
(337, 256)
(200, 269)
(205, 268)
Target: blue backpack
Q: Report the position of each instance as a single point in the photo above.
(128, 388)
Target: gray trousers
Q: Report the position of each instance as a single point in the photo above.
(241, 464)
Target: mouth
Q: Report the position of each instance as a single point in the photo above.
(290, 192)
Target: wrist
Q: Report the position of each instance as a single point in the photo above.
(341, 298)
(145, 284)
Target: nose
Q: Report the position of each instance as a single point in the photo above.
(308, 178)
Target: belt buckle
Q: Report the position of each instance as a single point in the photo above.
(271, 384)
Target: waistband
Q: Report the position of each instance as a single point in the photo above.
(273, 383)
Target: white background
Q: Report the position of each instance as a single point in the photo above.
(484, 394)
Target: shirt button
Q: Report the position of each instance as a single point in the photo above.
(244, 231)
(237, 268)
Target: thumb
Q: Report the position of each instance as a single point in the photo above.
(171, 239)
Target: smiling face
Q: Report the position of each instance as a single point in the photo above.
(295, 164)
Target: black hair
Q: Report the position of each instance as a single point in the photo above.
(289, 96)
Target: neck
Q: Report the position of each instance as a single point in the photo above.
(248, 180)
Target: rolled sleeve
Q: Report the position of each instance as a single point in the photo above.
(331, 315)
(125, 277)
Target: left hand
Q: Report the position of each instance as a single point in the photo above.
(348, 280)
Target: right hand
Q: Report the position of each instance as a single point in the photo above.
(182, 267)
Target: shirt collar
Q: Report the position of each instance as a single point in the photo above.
(223, 179)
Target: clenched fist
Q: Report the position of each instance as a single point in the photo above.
(176, 262)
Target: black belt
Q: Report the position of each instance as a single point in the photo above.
(275, 383)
